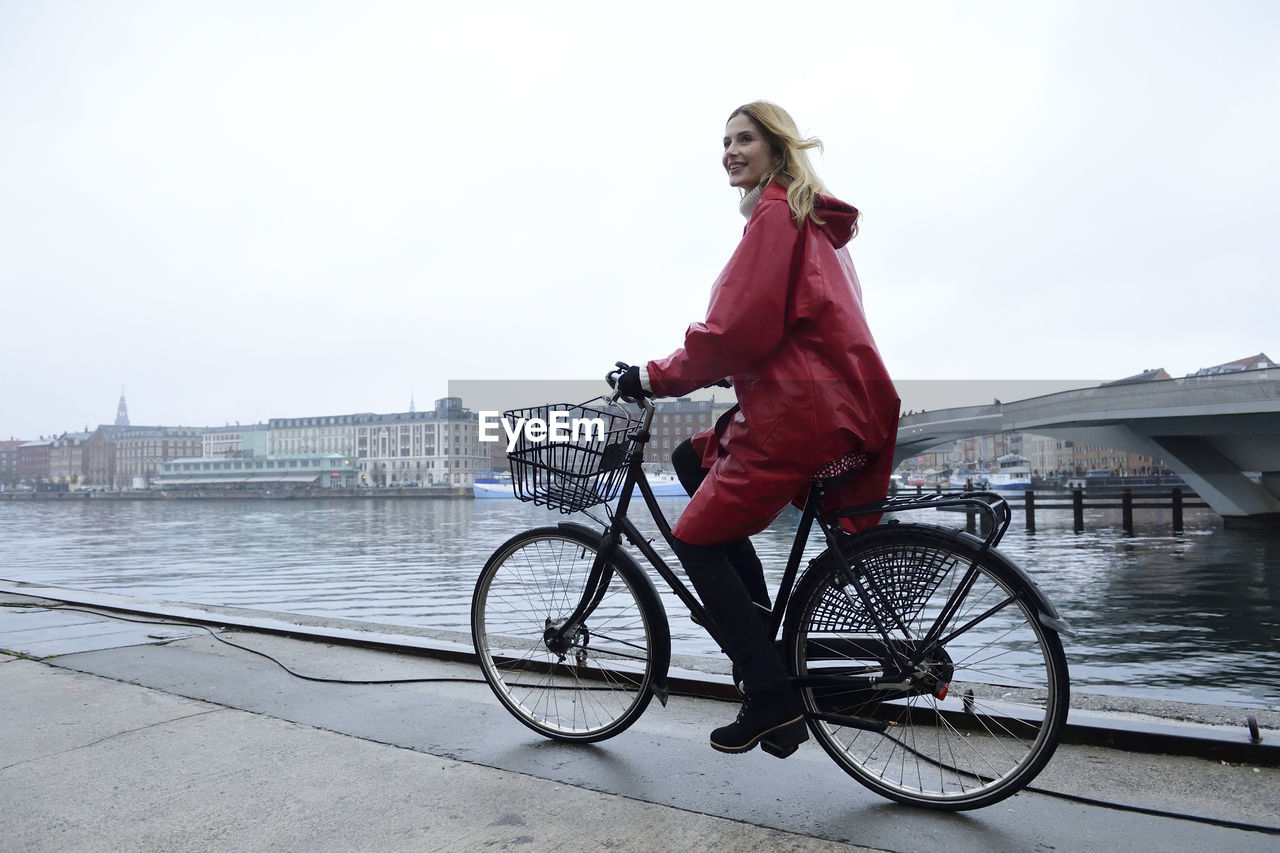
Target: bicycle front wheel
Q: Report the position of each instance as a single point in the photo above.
(584, 687)
(963, 703)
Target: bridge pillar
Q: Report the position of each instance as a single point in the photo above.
(1271, 482)
(1217, 479)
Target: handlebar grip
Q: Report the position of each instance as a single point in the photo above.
(612, 377)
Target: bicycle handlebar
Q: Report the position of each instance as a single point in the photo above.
(646, 404)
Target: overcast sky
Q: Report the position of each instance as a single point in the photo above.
(246, 210)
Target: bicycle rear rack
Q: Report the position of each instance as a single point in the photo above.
(990, 505)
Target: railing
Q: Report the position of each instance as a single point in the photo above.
(1175, 502)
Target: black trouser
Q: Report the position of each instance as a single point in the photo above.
(730, 581)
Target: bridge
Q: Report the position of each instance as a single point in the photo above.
(1213, 430)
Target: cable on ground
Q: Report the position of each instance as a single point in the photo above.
(1059, 795)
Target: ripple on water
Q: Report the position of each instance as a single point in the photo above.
(1192, 617)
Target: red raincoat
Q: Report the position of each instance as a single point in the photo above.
(786, 324)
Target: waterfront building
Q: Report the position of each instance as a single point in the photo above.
(251, 440)
(139, 450)
(1046, 456)
(440, 447)
(9, 461)
(308, 470)
(33, 461)
(676, 420)
(100, 456)
(436, 447)
(324, 434)
(1121, 463)
(1053, 459)
(67, 458)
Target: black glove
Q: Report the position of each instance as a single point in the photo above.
(629, 384)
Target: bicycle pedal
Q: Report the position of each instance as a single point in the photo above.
(778, 751)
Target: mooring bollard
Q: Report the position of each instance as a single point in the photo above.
(1029, 503)
(1126, 510)
(1177, 509)
(1077, 510)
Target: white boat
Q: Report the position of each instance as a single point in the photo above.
(493, 484)
(664, 486)
(1012, 474)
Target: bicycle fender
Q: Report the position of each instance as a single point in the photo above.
(1047, 614)
(640, 578)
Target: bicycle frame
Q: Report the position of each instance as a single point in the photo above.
(621, 527)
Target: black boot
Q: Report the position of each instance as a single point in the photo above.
(776, 715)
(742, 556)
(770, 707)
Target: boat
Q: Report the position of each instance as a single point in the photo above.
(664, 486)
(1013, 474)
(493, 484)
(967, 478)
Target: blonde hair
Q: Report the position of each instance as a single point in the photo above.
(791, 168)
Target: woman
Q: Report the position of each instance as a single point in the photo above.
(785, 325)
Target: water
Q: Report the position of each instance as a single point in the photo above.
(1192, 617)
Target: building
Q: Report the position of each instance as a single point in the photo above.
(676, 420)
(1052, 459)
(1118, 463)
(100, 456)
(440, 447)
(33, 461)
(1156, 375)
(1253, 362)
(324, 434)
(67, 463)
(9, 461)
(311, 470)
(437, 447)
(139, 450)
(1048, 457)
(252, 440)
(122, 411)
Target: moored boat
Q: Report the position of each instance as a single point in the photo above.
(493, 484)
(1013, 474)
(968, 478)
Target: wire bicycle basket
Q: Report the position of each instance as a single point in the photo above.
(576, 460)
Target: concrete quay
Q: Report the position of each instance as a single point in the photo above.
(127, 725)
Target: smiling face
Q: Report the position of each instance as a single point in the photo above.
(747, 155)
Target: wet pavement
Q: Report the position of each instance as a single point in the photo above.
(131, 735)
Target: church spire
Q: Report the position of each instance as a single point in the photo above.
(122, 411)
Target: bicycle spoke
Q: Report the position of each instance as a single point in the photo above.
(1004, 674)
(584, 684)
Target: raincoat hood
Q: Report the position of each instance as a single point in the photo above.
(837, 217)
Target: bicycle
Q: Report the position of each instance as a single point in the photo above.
(929, 665)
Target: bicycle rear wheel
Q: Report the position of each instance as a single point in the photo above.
(585, 687)
(980, 710)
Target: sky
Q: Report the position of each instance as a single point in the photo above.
(245, 210)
